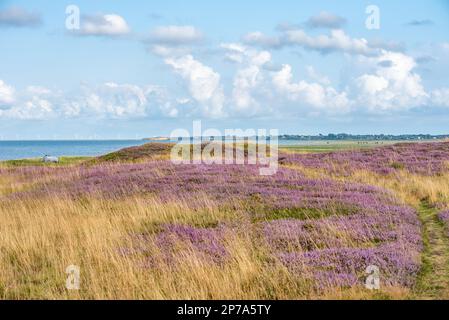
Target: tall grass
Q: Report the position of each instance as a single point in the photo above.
(39, 239)
(411, 188)
(41, 235)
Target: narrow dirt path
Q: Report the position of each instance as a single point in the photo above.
(433, 281)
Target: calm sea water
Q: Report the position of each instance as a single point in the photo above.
(12, 150)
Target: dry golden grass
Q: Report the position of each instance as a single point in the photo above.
(41, 237)
(410, 188)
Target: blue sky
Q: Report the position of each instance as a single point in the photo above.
(134, 69)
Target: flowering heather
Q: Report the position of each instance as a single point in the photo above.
(243, 184)
(444, 217)
(172, 239)
(325, 229)
(338, 249)
(329, 227)
(348, 264)
(332, 251)
(419, 158)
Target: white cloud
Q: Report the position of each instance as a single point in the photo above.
(248, 79)
(104, 25)
(113, 100)
(117, 100)
(175, 35)
(170, 51)
(372, 84)
(34, 109)
(310, 94)
(33, 103)
(391, 87)
(234, 52)
(203, 83)
(109, 100)
(260, 39)
(38, 90)
(385, 82)
(6, 94)
(326, 20)
(316, 76)
(338, 40)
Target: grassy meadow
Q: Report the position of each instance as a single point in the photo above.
(140, 227)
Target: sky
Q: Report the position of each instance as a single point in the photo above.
(131, 69)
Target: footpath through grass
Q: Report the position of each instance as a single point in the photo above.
(433, 281)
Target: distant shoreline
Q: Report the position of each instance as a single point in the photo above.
(35, 149)
(284, 137)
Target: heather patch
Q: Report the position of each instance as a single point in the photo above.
(419, 158)
(325, 230)
(444, 218)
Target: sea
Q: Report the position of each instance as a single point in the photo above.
(14, 150)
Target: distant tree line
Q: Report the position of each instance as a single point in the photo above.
(364, 137)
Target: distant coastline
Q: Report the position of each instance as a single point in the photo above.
(28, 149)
(157, 139)
(335, 137)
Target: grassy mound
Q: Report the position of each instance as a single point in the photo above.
(136, 154)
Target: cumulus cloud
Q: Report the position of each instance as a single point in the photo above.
(338, 40)
(109, 25)
(175, 35)
(203, 82)
(6, 95)
(335, 41)
(173, 41)
(34, 102)
(107, 101)
(326, 20)
(34, 109)
(248, 78)
(313, 95)
(316, 76)
(169, 51)
(260, 39)
(116, 100)
(387, 83)
(393, 85)
(121, 101)
(19, 17)
(259, 89)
